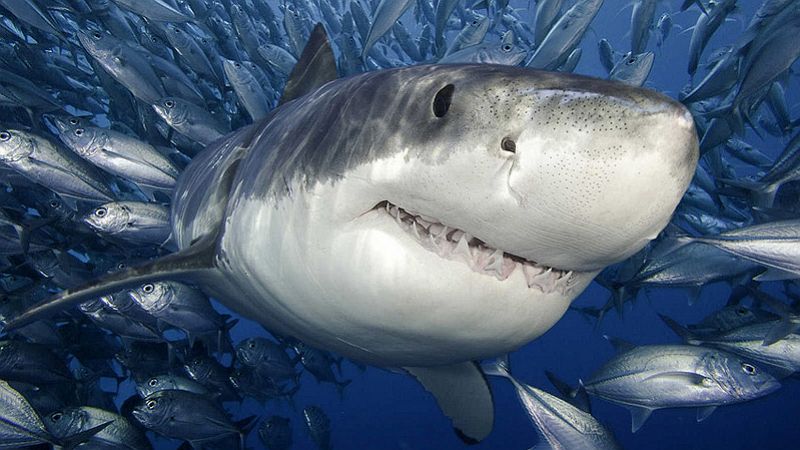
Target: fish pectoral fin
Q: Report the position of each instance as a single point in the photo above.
(463, 394)
(111, 155)
(773, 274)
(703, 413)
(639, 416)
(83, 436)
(690, 378)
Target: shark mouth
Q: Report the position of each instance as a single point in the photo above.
(457, 245)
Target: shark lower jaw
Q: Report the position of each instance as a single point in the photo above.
(454, 244)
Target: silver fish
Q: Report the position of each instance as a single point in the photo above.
(633, 69)
(565, 35)
(120, 154)
(144, 223)
(559, 423)
(117, 433)
(20, 424)
(43, 162)
(651, 377)
(248, 89)
(189, 119)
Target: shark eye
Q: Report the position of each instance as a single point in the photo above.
(508, 145)
(151, 404)
(442, 100)
(100, 212)
(148, 288)
(749, 369)
(55, 417)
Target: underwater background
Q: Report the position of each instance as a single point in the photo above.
(383, 410)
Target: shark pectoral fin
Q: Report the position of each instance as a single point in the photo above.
(316, 66)
(463, 395)
(188, 263)
(703, 413)
(639, 416)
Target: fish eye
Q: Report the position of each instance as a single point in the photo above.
(252, 345)
(5, 135)
(741, 311)
(151, 404)
(55, 417)
(73, 121)
(153, 382)
(631, 60)
(54, 204)
(749, 369)
(148, 288)
(474, 22)
(79, 132)
(507, 48)
(100, 212)
(508, 145)
(97, 35)
(442, 100)
(169, 103)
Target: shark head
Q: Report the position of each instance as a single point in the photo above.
(436, 214)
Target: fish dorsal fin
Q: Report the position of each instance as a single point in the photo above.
(639, 416)
(188, 263)
(316, 66)
(677, 328)
(463, 395)
(620, 345)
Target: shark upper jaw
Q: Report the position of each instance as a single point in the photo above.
(452, 243)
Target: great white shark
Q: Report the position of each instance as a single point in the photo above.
(423, 217)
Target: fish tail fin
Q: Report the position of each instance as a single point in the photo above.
(762, 193)
(188, 263)
(576, 396)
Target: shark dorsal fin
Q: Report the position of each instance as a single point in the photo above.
(316, 66)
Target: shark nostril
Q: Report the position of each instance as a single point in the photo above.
(508, 145)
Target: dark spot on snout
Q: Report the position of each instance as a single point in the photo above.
(442, 100)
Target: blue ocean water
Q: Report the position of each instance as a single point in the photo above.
(385, 410)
